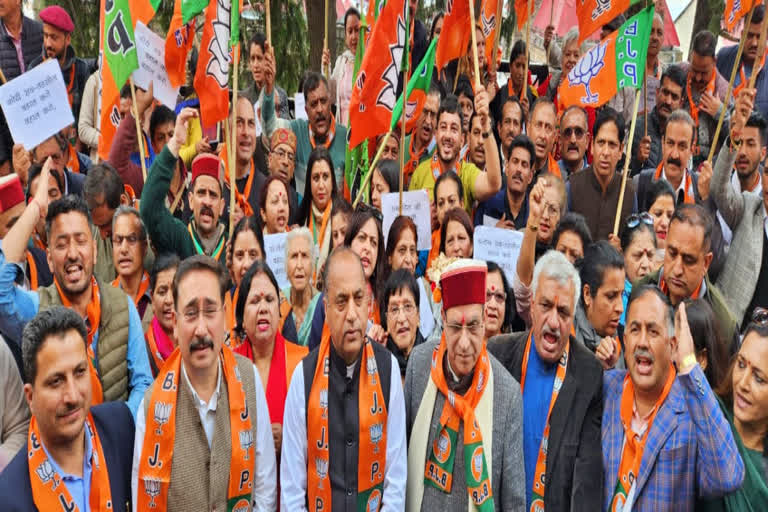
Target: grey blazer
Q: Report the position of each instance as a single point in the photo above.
(508, 468)
(744, 214)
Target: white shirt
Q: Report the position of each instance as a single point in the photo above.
(264, 492)
(293, 467)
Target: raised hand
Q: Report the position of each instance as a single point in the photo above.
(180, 130)
(705, 178)
(608, 352)
(745, 103)
(644, 149)
(685, 346)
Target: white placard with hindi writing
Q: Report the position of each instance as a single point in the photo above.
(299, 107)
(415, 206)
(150, 49)
(274, 247)
(36, 105)
(501, 246)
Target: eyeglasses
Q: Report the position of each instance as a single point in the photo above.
(209, 312)
(635, 219)
(279, 153)
(760, 315)
(455, 330)
(408, 309)
(499, 297)
(575, 130)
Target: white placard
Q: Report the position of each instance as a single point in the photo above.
(501, 246)
(415, 206)
(489, 221)
(274, 246)
(299, 107)
(150, 49)
(36, 105)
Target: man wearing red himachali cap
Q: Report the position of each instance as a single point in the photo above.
(463, 410)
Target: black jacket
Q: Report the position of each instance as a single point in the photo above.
(76, 79)
(574, 458)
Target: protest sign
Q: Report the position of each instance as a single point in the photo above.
(501, 246)
(274, 247)
(150, 48)
(299, 107)
(36, 105)
(415, 206)
(490, 221)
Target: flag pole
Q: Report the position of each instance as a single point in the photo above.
(524, 89)
(756, 68)
(373, 164)
(231, 147)
(645, 89)
(139, 135)
(551, 19)
(497, 36)
(474, 44)
(735, 68)
(405, 103)
(626, 165)
(325, 70)
(269, 24)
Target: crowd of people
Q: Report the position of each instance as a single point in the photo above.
(151, 359)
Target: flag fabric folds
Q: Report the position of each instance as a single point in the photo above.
(118, 60)
(489, 24)
(616, 62)
(235, 28)
(178, 43)
(191, 8)
(143, 10)
(374, 92)
(735, 10)
(212, 74)
(521, 14)
(416, 91)
(355, 159)
(455, 36)
(593, 14)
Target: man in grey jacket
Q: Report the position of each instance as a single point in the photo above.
(463, 410)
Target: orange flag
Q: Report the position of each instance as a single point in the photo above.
(521, 6)
(212, 74)
(593, 14)
(178, 43)
(374, 93)
(143, 10)
(736, 10)
(455, 36)
(490, 25)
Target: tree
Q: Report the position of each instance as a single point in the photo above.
(316, 17)
(708, 17)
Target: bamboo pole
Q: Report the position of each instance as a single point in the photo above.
(474, 42)
(524, 91)
(269, 24)
(325, 70)
(497, 35)
(551, 19)
(139, 134)
(402, 117)
(231, 144)
(373, 164)
(626, 165)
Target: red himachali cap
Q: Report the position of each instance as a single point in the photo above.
(206, 164)
(58, 18)
(11, 192)
(463, 282)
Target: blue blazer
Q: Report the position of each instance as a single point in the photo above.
(690, 451)
(114, 424)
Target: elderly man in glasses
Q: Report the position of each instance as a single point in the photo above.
(574, 139)
(463, 410)
(562, 386)
(129, 250)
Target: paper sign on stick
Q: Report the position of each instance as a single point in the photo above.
(36, 105)
(415, 206)
(501, 246)
(299, 108)
(150, 49)
(274, 247)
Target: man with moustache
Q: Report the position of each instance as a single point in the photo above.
(55, 147)
(476, 142)
(463, 410)
(344, 444)
(420, 143)
(574, 139)
(647, 150)
(665, 439)
(562, 386)
(282, 163)
(510, 204)
(510, 125)
(477, 185)
(248, 181)
(129, 251)
(204, 234)
(118, 364)
(203, 438)
(748, 167)
(76, 457)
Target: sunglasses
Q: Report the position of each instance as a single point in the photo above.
(577, 131)
(760, 315)
(635, 219)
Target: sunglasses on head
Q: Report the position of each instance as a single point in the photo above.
(364, 207)
(760, 315)
(635, 219)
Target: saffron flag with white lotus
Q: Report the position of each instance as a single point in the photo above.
(735, 10)
(593, 14)
(212, 74)
(616, 62)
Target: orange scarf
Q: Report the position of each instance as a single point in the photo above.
(143, 287)
(687, 198)
(329, 136)
(241, 198)
(413, 160)
(48, 490)
(693, 107)
(157, 451)
(665, 289)
(552, 167)
(32, 266)
(323, 226)
(73, 163)
(743, 77)
(437, 166)
(456, 408)
(372, 434)
(93, 312)
(632, 454)
(230, 304)
(539, 480)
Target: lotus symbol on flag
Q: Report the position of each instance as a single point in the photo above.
(586, 69)
(46, 473)
(321, 468)
(246, 441)
(488, 24)
(162, 415)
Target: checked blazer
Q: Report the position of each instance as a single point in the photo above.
(690, 451)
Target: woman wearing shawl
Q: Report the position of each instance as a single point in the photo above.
(317, 202)
(297, 310)
(159, 336)
(245, 247)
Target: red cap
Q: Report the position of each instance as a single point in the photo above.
(58, 18)
(11, 192)
(463, 282)
(206, 164)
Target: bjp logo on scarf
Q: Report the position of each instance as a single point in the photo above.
(376, 432)
(46, 473)
(537, 505)
(374, 501)
(477, 464)
(324, 402)
(370, 365)
(442, 447)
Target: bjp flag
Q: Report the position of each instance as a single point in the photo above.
(735, 10)
(522, 14)
(178, 43)
(143, 10)
(490, 25)
(616, 62)
(593, 14)
(212, 74)
(455, 36)
(374, 93)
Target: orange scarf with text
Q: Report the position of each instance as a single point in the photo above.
(632, 454)
(48, 491)
(93, 312)
(230, 304)
(693, 107)
(143, 287)
(456, 408)
(539, 480)
(157, 451)
(437, 166)
(243, 197)
(329, 136)
(372, 434)
(665, 289)
(688, 198)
